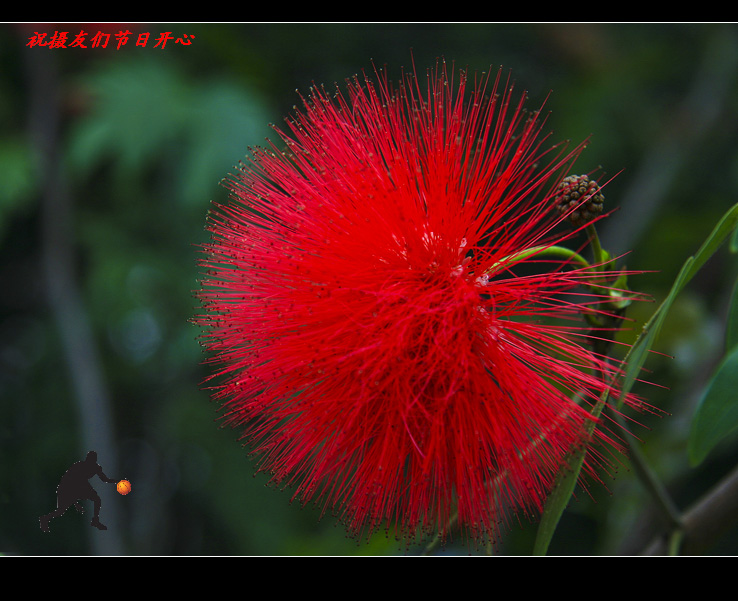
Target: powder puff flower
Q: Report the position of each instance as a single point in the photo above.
(387, 329)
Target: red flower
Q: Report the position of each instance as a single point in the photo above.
(380, 340)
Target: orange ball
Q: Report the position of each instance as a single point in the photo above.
(124, 487)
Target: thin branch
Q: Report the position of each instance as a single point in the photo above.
(704, 524)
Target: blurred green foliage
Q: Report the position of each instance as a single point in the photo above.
(145, 137)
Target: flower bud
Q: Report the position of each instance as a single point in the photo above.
(579, 199)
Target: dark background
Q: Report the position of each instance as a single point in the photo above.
(109, 160)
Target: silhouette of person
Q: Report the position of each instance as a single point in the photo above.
(74, 487)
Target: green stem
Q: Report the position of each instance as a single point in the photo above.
(675, 541)
(561, 252)
(435, 543)
(649, 479)
(641, 467)
(552, 251)
(600, 256)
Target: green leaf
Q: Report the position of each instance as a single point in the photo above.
(17, 173)
(558, 499)
(717, 411)
(636, 357)
(722, 230)
(225, 119)
(139, 110)
(632, 364)
(731, 329)
(556, 503)
(18, 177)
(639, 351)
